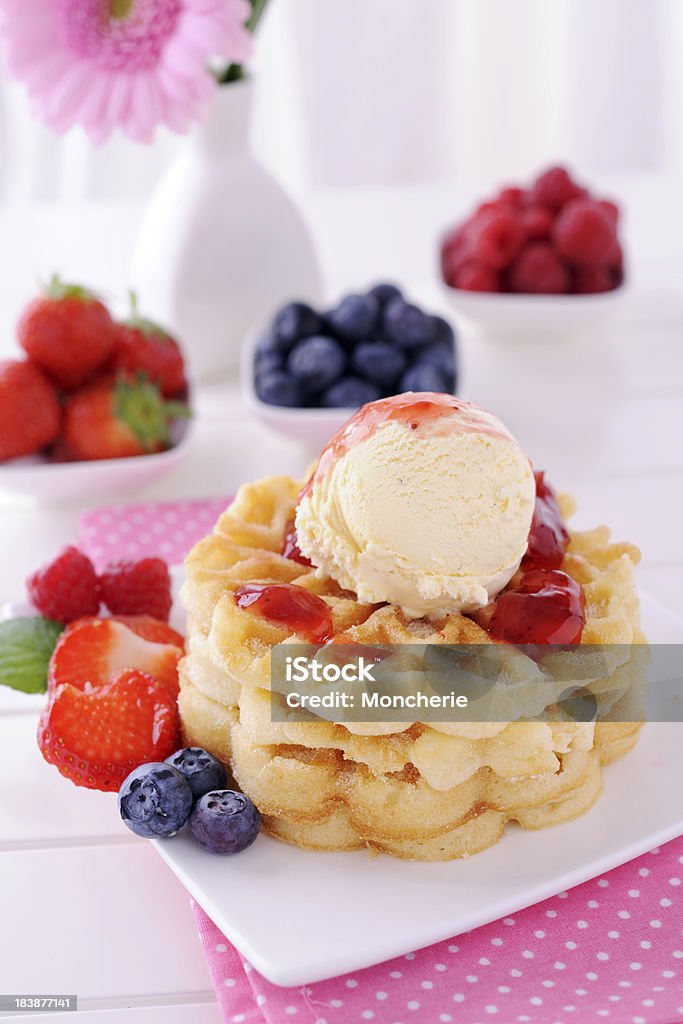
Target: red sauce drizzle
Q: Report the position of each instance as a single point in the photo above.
(290, 546)
(285, 604)
(546, 607)
(548, 537)
(414, 409)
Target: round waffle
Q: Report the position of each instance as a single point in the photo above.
(415, 790)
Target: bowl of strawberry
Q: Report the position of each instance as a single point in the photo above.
(94, 405)
(542, 260)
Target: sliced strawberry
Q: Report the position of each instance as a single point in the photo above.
(152, 629)
(96, 738)
(91, 652)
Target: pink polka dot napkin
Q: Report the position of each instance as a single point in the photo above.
(608, 950)
(167, 529)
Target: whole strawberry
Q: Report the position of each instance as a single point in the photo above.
(114, 419)
(145, 347)
(137, 588)
(30, 415)
(68, 332)
(65, 589)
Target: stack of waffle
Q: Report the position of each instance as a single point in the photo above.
(418, 791)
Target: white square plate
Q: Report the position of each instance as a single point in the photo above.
(272, 900)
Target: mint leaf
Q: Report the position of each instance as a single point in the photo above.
(26, 646)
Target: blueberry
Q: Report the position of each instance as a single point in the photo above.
(292, 323)
(385, 292)
(267, 361)
(266, 343)
(350, 393)
(406, 325)
(379, 362)
(279, 388)
(202, 770)
(316, 362)
(225, 821)
(442, 331)
(439, 355)
(267, 355)
(423, 377)
(355, 317)
(155, 800)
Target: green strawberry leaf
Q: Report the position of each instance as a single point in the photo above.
(142, 323)
(26, 646)
(56, 289)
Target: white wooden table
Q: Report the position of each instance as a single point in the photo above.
(86, 907)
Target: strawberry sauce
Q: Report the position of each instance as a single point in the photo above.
(414, 410)
(546, 607)
(548, 537)
(294, 608)
(290, 546)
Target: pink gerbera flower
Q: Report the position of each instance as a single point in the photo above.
(131, 64)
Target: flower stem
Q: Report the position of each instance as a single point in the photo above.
(236, 72)
(257, 9)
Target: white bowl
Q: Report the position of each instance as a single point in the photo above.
(312, 428)
(63, 482)
(540, 318)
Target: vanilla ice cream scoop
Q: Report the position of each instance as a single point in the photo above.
(421, 500)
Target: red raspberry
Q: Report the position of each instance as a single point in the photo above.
(611, 209)
(584, 233)
(536, 222)
(474, 277)
(539, 270)
(455, 252)
(617, 266)
(511, 195)
(456, 236)
(554, 188)
(67, 588)
(137, 588)
(488, 206)
(590, 280)
(454, 262)
(496, 237)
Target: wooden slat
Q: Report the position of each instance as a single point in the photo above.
(103, 922)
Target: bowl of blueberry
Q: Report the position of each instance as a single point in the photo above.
(309, 370)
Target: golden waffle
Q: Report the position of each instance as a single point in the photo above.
(414, 790)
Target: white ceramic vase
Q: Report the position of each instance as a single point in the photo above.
(221, 244)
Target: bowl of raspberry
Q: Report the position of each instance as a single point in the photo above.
(92, 406)
(309, 370)
(539, 261)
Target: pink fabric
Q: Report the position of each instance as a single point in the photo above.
(610, 949)
(168, 529)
